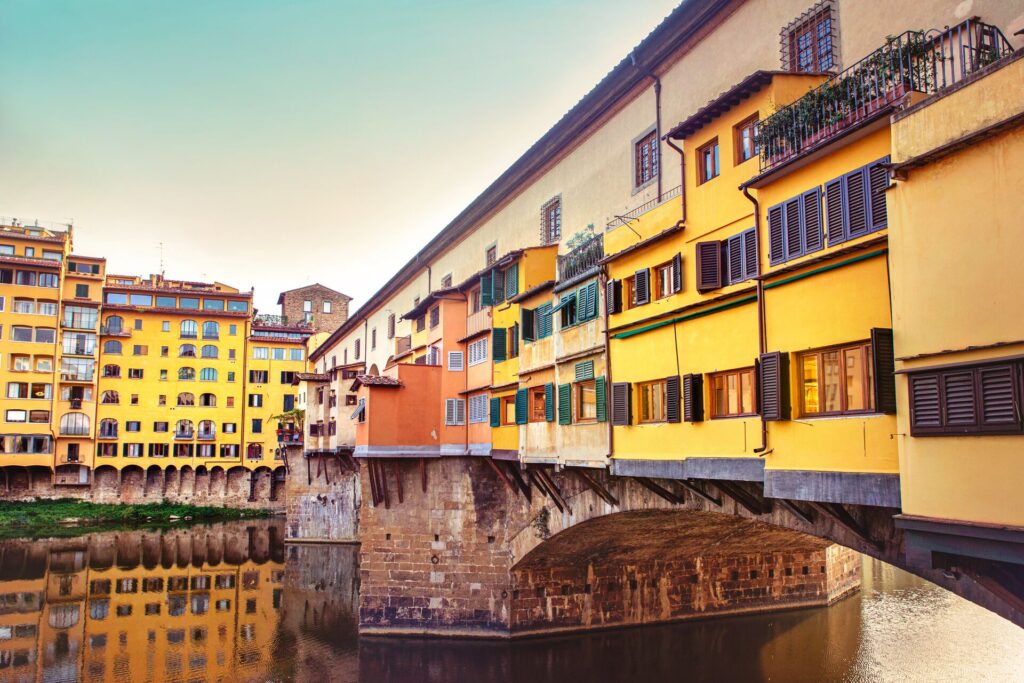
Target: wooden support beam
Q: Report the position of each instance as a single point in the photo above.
(502, 475)
(398, 481)
(841, 515)
(539, 483)
(699, 491)
(513, 469)
(660, 491)
(383, 483)
(550, 483)
(371, 474)
(423, 474)
(309, 472)
(327, 469)
(747, 500)
(603, 493)
(806, 516)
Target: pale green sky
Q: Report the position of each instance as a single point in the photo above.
(266, 143)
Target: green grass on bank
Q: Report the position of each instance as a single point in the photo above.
(67, 517)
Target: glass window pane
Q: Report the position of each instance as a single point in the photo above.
(721, 399)
(734, 395)
(810, 380)
(830, 382)
(746, 392)
(857, 394)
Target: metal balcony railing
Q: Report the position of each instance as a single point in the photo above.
(115, 331)
(80, 322)
(206, 436)
(184, 435)
(914, 61)
(108, 434)
(581, 259)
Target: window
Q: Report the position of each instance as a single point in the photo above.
(298, 354)
(20, 333)
(277, 353)
(446, 281)
(967, 399)
(732, 393)
(25, 277)
(79, 317)
(134, 373)
(112, 346)
(17, 415)
(186, 399)
(132, 426)
(307, 306)
(21, 363)
(47, 308)
(161, 400)
(255, 400)
(508, 410)
(538, 404)
(211, 330)
(551, 222)
(47, 279)
(327, 307)
(207, 400)
(183, 428)
(358, 347)
(111, 370)
(435, 316)
(188, 302)
(808, 43)
(82, 291)
(708, 162)
(159, 450)
(391, 326)
(651, 401)
(232, 330)
(567, 305)
(259, 376)
(478, 407)
(586, 401)
(213, 304)
(478, 351)
(140, 350)
(209, 351)
(261, 353)
(44, 364)
(187, 374)
(189, 329)
(160, 426)
(165, 326)
(668, 278)
(638, 288)
(855, 202)
(455, 411)
(108, 428)
(110, 397)
(741, 262)
(456, 361)
(645, 159)
(837, 380)
(744, 140)
(229, 427)
(238, 306)
(257, 427)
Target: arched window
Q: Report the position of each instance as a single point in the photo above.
(108, 428)
(189, 329)
(211, 330)
(208, 375)
(187, 351)
(112, 346)
(254, 451)
(111, 370)
(186, 374)
(183, 429)
(207, 428)
(209, 351)
(186, 399)
(110, 396)
(115, 324)
(74, 424)
(207, 400)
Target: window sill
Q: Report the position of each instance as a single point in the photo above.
(637, 189)
(841, 416)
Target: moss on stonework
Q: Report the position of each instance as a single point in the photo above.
(67, 517)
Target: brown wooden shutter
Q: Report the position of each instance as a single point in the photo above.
(776, 248)
(642, 286)
(925, 403)
(677, 273)
(693, 398)
(733, 272)
(773, 386)
(672, 411)
(1000, 399)
(620, 403)
(960, 400)
(884, 370)
(709, 265)
(613, 296)
(856, 203)
(812, 220)
(793, 228)
(751, 261)
(835, 217)
(878, 182)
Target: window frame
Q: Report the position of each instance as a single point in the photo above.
(640, 387)
(702, 171)
(749, 123)
(537, 401)
(551, 221)
(713, 413)
(645, 174)
(577, 400)
(866, 377)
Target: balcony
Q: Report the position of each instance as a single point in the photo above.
(288, 436)
(79, 349)
(80, 323)
(114, 331)
(915, 61)
(82, 376)
(204, 436)
(402, 345)
(582, 259)
(107, 434)
(184, 436)
(478, 322)
(280, 321)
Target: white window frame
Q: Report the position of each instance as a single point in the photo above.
(454, 412)
(479, 408)
(478, 351)
(456, 361)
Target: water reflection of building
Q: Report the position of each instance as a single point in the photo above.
(183, 605)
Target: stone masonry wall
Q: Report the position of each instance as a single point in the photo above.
(291, 307)
(323, 499)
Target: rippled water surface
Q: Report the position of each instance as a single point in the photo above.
(231, 602)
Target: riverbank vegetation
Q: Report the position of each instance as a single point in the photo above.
(67, 517)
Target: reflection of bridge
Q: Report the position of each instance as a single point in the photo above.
(470, 547)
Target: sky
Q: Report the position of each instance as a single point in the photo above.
(273, 144)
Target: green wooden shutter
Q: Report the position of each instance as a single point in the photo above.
(601, 389)
(549, 402)
(497, 286)
(521, 406)
(585, 370)
(544, 321)
(528, 324)
(564, 404)
(495, 412)
(499, 344)
(485, 289)
(512, 281)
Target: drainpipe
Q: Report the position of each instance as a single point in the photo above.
(657, 106)
(762, 332)
(682, 177)
(603, 280)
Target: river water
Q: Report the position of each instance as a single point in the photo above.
(232, 602)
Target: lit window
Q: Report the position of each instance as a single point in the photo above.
(837, 381)
(538, 404)
(732, 393)
(586, 401)
(651, 399)
(743, 140)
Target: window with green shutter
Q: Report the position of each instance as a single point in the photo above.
(528, 324)
(585, 370)
(485, 290)
(601, 389)
(544, 315)
(497, 286)
(564, 404)
(499, 344)
(549, 402)
(512, 281)
(495, 412)
(522, 403)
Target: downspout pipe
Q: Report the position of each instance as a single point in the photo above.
(682, 177)
(603, 280)
(657, 107)
(762, 331)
